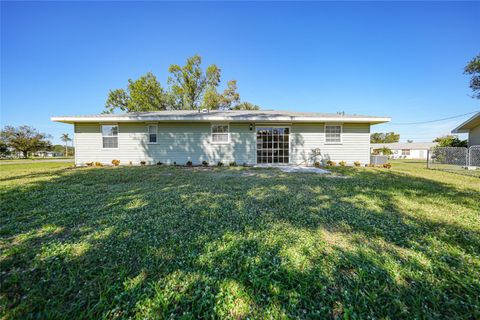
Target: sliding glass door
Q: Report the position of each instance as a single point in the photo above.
(273, 145)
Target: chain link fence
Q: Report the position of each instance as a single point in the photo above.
(455, 159)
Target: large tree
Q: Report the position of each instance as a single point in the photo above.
(473, 69)
(450, 141)
(388, 137)
(143, 94)
(25, 139)
(190, 88)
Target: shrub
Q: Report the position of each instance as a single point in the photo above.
(143, 163)
(317, 164)
(387, 165)
(204, 163)
(371, 165)
(130, 162)
(174, 163)
(89, 164)
(245, 164)
(232, 164)
(189, 163)
(220, 163)
(98, 164)
(342, 163)
(357, 163)
(331, 163)
(159, 163)
(116, 162)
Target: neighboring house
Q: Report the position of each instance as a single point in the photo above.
(250, 137)
(472, 127)
(406, 150)
(46, 154)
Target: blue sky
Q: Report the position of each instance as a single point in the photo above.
(404, 60)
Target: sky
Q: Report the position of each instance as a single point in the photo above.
(403, 60)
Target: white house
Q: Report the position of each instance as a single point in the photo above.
(251, 137)
(406, 150)
(472, 127)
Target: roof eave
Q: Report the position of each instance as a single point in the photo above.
(371, 120)
(467, 125)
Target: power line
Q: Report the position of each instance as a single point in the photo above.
(430, 121)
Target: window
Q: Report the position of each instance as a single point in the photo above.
(152, 134)
(220, 133)
(333, 134)
(405, 152)
(110, 136)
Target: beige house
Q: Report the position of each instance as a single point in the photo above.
(250, 137)
(472, 127)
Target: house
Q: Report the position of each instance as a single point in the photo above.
(250, 137)
(472, 127)
(406, 150)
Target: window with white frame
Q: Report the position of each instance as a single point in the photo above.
(110, 136)
(220, 133)
(152, 133)
(333, 134)
(405, 152)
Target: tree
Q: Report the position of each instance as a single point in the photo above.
(383, 151)
(450, 141)
(4, 151)
(65, 138)
(189, 88)
(246, 106)
(388, 137)
(143, 94)
(473, 69)
(25, 139)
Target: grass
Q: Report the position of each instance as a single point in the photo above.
(165, 242)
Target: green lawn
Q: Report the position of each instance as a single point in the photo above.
(164, 242)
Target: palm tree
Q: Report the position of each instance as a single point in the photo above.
(65, 138)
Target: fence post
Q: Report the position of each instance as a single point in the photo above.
(428, 157)
(467, 160)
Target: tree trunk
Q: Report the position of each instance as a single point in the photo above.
(66, 150)
(25, 154)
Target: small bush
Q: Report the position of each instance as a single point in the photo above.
(232, 164)
(189, 163)
(204, 163)
(317, 164)
(98, 164)
(116, 162)
(174, 163)
(387, 165)
(342, 163)
(159, 163)
(143, 163)
(245, 164)
(331, 163)
(371, 165)
(89, 164)
(219, 164)
(357, 163)
(130, 163)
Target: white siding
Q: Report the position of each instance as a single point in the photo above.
(474, 136)
(177, 142)
(306, 138)
(181, 142)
